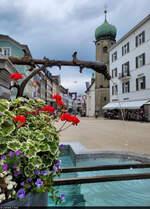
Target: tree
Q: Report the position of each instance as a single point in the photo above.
(99, 67)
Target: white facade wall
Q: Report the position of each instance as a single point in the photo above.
(90, 101)
(133, 95)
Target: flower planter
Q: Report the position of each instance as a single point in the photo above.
(31, 199)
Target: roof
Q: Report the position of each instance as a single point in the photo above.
(93, 81)
(130, 32)
(105, 30)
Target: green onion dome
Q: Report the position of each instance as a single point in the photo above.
(105, 30)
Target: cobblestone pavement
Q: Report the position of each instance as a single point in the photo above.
(104, 134)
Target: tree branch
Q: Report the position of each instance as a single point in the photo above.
(99, 67)
(23, 84)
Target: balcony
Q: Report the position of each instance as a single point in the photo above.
(124, 76)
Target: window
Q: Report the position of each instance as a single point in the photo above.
(114, 56)
(125, 87)
(105, 99)
(125, 69)
(105, 49)
(114, 90)
(114, 73)
(125, 49)
(140, 60)
(5, 51)
(140, 83)
(139, 39)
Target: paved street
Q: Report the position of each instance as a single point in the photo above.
(103, 134)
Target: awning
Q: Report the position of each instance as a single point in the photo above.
(125, 105)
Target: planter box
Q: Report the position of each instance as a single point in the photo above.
(31, 199)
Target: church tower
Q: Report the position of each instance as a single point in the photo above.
(105, 36)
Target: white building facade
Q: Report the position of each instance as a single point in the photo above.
(130, 70)
(90, 101)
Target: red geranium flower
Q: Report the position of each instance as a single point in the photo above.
(67, 117)
(49, 108)
(75, 120)
(16, 76)
(57, 97)
(21, 120)
(59, 102)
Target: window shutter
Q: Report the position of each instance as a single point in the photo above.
(144, 83)
(143, 36)
(122, 71)
(128, 86)
(116, 89)
(143, 58)
(122, 87)
(128, 47)
(128, 67)
(136, 41)
(137, 86)
(122, 51)
(112, 90)
(112, 73)
(136, 60)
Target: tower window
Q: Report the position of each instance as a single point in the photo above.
(105, 49)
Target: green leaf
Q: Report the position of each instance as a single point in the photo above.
(40, 102)
(14, 145)
(4, 105)
(23, 109)
(3, 148)
(36, 161)
(10, 113)
(7, 127)
(40, 136)
(44, 147)
(53, 148)
(31, 101)
(29, 170)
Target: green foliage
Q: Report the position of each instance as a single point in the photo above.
(37, 138)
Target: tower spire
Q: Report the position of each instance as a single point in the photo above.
(105, 12)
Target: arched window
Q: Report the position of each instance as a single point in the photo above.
(105, 49)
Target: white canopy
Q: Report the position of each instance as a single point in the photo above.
(125, 105)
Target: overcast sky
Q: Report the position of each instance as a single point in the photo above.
(57, 28)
